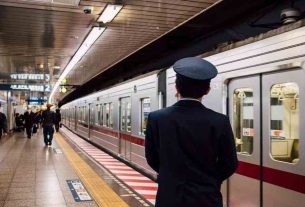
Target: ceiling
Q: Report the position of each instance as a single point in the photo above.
(38, 36)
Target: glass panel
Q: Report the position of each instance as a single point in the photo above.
(101, 115)
(111, 115)
(122, 115)
(128, 115)
(145, 110)
(243, 120)
(284, 123)
(80, 114)
(107, 109)
(98, 114)
(92, 115)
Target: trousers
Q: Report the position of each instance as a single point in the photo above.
(48, 132)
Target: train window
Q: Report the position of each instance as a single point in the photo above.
(145, 110)
(243, 120)
(98, 114)
(284, 123)
(80, 114)
(101, 115)
(92, 114)
(125, 114)
(111, 115)
(107, 115)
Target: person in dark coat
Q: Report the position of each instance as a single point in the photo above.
(38, 118)
(18, 122)
(3, 124)
(29, 119)
(57, 119)
(190, 146)
(48, 120)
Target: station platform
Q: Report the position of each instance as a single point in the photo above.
(71, 172)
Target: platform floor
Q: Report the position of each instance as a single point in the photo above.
(32, 174)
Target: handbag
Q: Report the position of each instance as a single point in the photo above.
(35, 128)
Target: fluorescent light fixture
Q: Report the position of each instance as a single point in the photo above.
(90, 39)
(110, 12)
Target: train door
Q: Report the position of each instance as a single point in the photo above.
(91, 119)
(283, 138)
(125, 127)
(244, 111)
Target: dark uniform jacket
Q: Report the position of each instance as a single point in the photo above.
(57, 117)
(29, 119)
(3, 122)
(48, 118)
(192, 149)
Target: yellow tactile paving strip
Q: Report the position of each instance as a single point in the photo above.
(101, 192)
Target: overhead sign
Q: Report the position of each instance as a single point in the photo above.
(35, 100)
(38, 98)
(26, 76)
(25, 87)
(42, 88)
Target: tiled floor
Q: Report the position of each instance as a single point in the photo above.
(32, 174)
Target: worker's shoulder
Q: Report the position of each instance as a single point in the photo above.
(160, 113)
(216, 115)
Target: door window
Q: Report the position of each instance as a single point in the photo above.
(243, 120)
(125, 114)
(284, 123)
(145, 110)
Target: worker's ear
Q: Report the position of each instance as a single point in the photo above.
(177, 92)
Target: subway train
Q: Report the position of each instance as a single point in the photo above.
(260, 86)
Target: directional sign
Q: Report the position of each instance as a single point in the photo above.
(25, 87)
(26, 76)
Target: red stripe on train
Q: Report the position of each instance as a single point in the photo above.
(130, 138)
(276, 177)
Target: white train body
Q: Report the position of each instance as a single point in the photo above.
(261, 86)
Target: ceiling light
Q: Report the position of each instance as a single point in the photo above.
(110, 12)
(90, 39)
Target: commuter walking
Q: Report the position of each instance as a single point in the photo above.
(190, 146)
(29, 118)
(48, 120)
(18, 122)
(3, 123)
(57, 119)
(38, 118)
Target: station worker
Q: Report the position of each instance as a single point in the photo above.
(190, 146)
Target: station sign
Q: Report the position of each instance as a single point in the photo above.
(36, 100)
(26, 76)
(25, 87)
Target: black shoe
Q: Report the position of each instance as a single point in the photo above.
(29, 137)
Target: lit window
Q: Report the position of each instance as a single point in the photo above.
(243, 120)
(284, 123)
(111, 116)
(145, 110)
(125, 114)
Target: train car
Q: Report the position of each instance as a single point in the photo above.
(260, 86)
(116, 118)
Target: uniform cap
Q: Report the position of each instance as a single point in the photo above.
(195, 68)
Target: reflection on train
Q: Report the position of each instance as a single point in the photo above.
(260, 86)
